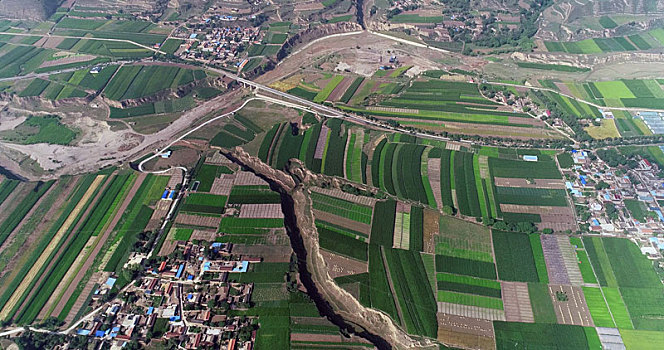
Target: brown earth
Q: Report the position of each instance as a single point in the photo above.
(431, 229)
(340, 89)
(341, 266)
(537, 183)
(516, 302)
(573, 311)
(465, 332)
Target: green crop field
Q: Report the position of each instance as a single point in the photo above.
(342, 208)
(511, 335)
(382, 226)
(40, 129)
(413, 292)
(514, 257)
(204, 203)
(643, 340)
(466, 267)
(631, 268)
(531, 196)
(541, 302)
(584, 266)
(257, 194)
(206, 175)
(381, 295)
(459, 238)
(137, 81)
(618, 308)
(327, 90)
(342, 244)
(468, 285)
(598, 308)
(638, 209)
(521, 169)
(345, 98)
(600, 261)
(469, 299)
(538, 256)
(645, 307)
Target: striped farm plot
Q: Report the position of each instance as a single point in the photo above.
(516, 302)
(433, 172)
(246, 178)
(223, 185)
(402, 226)
(342, 208)
(197, 220)
(471, 311)
(528, 183)
(555, 264)
(394, 109)
(353, 161)
(261, 211)
(465, 333)
(321, 144)
(337, 193)
(43, 257)
(570, 305)
(570, 260)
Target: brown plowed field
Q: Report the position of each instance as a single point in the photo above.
(431, 229)
(196, 220)
(516, 302)
(341, 266)
(340, 89)
(574, 310)
(465, 332)
(537, 183)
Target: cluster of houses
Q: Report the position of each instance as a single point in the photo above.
(220, 36)
(225, 46)
(171, 303)
(607, 206)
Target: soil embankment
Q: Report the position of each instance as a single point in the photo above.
(333, 302)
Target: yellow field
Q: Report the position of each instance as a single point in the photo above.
(289, 83)
(25, 283)
(605, 130)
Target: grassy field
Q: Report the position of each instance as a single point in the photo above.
(413, 291)
(342, 244)
(546, 336)
(514, 257)
(135, 81)
(541, 302)
(598, 308)
(41, 129)
(645, 340)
